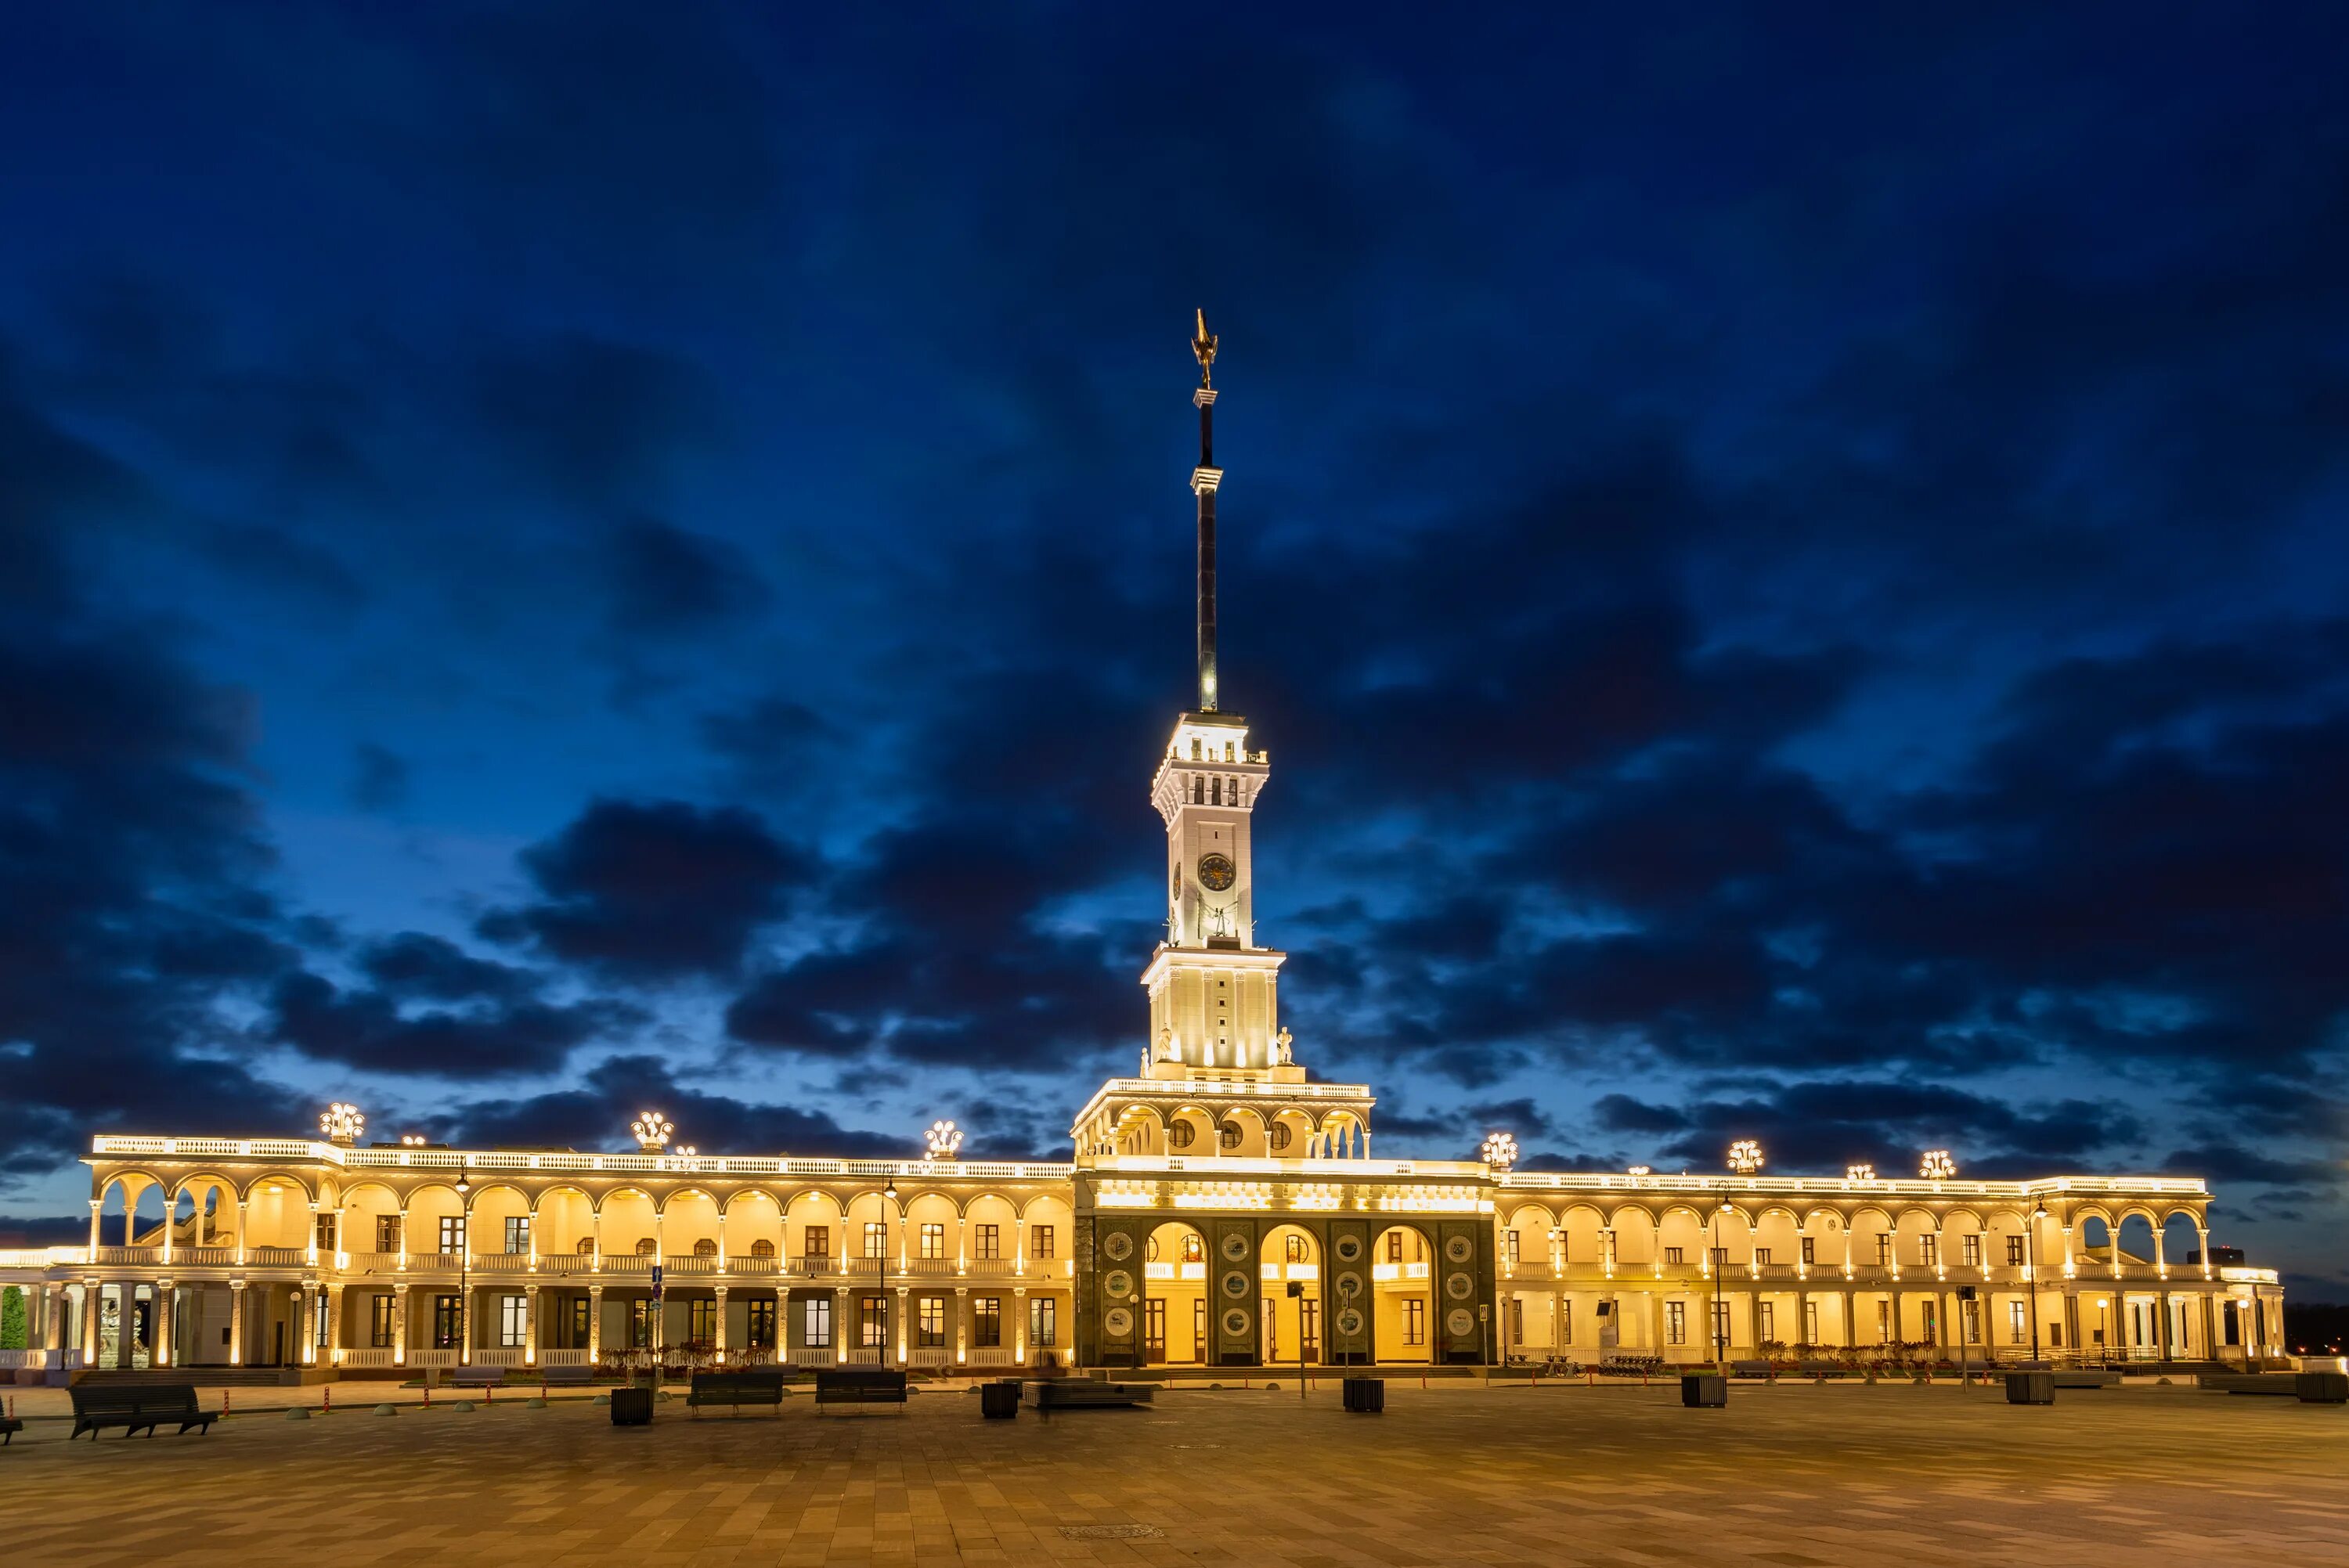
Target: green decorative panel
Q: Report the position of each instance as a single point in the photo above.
(1461, 1297)
(1234, 1291)
(1347, 1304)
(1110, 1287)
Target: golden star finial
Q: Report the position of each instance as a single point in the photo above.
(1204, 346)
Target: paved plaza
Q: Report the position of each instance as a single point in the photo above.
(1792, 1474)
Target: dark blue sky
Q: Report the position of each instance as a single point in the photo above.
(1794, 575)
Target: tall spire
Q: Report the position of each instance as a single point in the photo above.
(1204, 480)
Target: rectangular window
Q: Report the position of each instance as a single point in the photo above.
(2015, 1252)
(1671, 1254)
(1517, 1320)
(2018, 1324)
(989, 1241)
(762, 1325)
(1394, 1246)
(1970, 1245)
(934, 1240)
(1414, 1322)
(1883, 1250)
(1565, 1323)
(1720, 1335)
(640, 1324)
(816, 1323)
(1970, 1322)
(329, 1227)
(1810, 1250)
(819, 1242)
(1720, 1257)
(1198, 1331)
(1930, 1247)
(1884, 1323)
(1762, 1256)
(517, 1234)
(444, 1323)
(582, 1328)
(1513, 1247)
(379, 1322)
(701, 1323)
(452, 1232)
(872, 1323)
(1039, 1242)
(1044, 1321)
(987, 1322)
(1765, 1325)
(877, 1238)
(1675, 1323)
(388, 1238)
(930, 1323)
(1810, 1323)
(513, 1321)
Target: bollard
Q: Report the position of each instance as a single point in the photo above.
(327, 1400)
(427, 1393)
(489, 1393)
(227, 1395)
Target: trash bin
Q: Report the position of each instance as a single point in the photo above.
(1701, 1390)
(2321, 1387)
(1366, 1396)
(631, 1407)
(2031, 1388)
(999, 1400)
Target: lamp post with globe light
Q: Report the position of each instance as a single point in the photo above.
(1745, 1159)
(2031, 1274)
(889, 1318)
(464, 1265)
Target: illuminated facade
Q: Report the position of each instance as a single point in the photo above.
(1222, 1209)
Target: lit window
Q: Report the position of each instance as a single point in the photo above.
(872, 1321)
(989, 1240)
(987, 1322)
(517, 1234)
(762, 1249)
(452, 1232)
(818, 1242)
(1043, 1322)
(877, 1238)
(934, 1240)
(705, 1248)
(1039, 1242)
(1414, 1322)
(930, 1323)
(513, 1322)
(1675, 1323)
(1673, 1254)
(1294, 1249)
(816, 1323)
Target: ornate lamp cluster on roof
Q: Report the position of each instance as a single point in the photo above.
(1745, 1157)
(652, 1129)
(943, 1141)
(1863, 1172)
(342, 1124)
(1936, 1165)
(1500, 1151)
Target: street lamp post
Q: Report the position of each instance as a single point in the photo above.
(2031, 1271)
(464, 1266)
(889, 1201)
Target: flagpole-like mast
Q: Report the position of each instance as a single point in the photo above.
(1204, 480)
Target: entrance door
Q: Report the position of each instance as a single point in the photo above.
(1154, 1328)
(277, 1342)
(1312, 1319)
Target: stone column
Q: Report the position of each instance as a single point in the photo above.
(782, 1324)
(595, 1322)
(2202, 1234)
(844, 1330)
(1899, 1331)
(400, 1322)
(243, 1228)
(171, 1222)
(236, 1317)
(1850, 1320)
(306, 1354)
(529, 1316)
(2209, 1323)
(1019, 1330)
(898, 1312)
(720, 1291)
(334, 1317)
(93, 1307)
(962, 1325)
(95, 1205)
(52, 1321)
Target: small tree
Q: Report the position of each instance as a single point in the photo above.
(12, 1319)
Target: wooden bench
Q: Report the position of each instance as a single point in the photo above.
(9, 1427)
(132, 1408)
(737, 1390)
(860, 1386)
(1085, 1393)
(477, 1377)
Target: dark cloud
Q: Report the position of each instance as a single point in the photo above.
(596, 422)
(597, 1112)
(374, 1031)
(648, 891)
(380, 778)
(667, 582)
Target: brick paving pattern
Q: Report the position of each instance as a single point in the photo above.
(1789, 1475)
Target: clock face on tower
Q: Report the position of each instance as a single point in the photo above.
(1216, 873)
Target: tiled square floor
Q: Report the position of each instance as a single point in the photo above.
(1787, 1475)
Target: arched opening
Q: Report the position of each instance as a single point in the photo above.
(1174, 1330)
(1292, 1322)
(1403, 1318)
